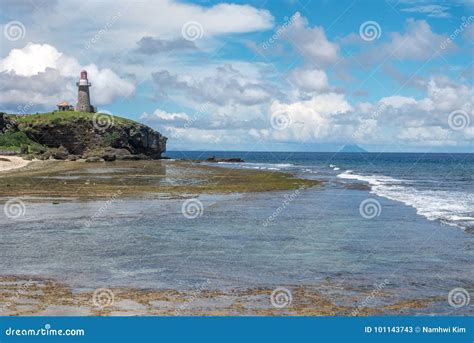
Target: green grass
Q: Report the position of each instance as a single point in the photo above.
(63, 117)
(13, 141)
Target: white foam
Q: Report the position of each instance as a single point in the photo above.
(259, 166)
(452, 207)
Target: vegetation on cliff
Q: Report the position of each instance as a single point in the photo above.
(65, 117)
(70, 134)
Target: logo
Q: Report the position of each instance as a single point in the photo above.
(370, 208)
(192, 30)
(370, 30)
(281, 297)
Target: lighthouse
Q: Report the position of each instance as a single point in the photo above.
(83, 97)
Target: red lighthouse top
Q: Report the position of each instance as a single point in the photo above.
(84, 75)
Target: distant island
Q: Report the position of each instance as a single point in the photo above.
(352, 148)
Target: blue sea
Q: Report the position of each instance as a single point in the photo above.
(439, 186)
(403, 221)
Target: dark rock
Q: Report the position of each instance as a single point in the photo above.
(130, 158)
(24, 149)
(120, 153)
(72, 158)
(359, 186)
(94, 159)
(109, 157)
(81, 135)
(45, 156)
(6, 123)
(214, 159)
(143, 157)
(59, 154)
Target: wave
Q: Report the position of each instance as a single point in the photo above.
(450, 207)
(260, 166)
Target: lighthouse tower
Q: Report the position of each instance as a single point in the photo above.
(83, 97)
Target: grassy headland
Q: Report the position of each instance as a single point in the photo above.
(79, 134)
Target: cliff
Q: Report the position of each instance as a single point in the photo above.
(88, 135)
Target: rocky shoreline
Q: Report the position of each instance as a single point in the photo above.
(101, 180)
(35, 296)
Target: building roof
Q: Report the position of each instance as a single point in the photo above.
(64, 103)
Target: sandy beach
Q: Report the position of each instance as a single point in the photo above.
(12, 162)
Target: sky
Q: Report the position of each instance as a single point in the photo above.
(288, 75)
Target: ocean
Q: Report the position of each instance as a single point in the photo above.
(439, 186)
(401, 222)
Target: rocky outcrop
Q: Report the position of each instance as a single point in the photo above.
(214, 159)
(5, 123)
(83, 137)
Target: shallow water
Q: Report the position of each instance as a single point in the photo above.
(308, 236)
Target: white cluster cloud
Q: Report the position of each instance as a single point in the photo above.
(310, 120)
(312, 42)
(317, 112)
(435, 11)
(108, 25)
(309, 80)
(39, 74)
(422, 121)
(418, 42)
(240, 96)
(223, 85)
(163, 115)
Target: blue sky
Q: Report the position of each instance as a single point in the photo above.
(253, 75)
